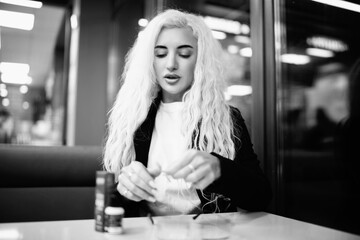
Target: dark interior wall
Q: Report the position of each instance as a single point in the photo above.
(123, 32)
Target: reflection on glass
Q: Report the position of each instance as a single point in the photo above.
(317, 56)
(235, 40)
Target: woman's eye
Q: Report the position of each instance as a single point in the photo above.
(160, 55)
(185, 54)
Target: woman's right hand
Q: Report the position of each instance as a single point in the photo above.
(136, 182)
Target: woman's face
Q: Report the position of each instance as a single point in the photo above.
(174, 62)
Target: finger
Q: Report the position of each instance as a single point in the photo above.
(203, 178)
(142, 177)
(182, 163)
(138, 180)
(199, 173)
(203, 183)
(185, 171)
(126, 193)
(134, 184)
(197, 161)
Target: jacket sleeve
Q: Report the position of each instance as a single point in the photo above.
(242, 180)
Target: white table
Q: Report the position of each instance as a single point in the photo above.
(246, 226)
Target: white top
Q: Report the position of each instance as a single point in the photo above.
(174, 196)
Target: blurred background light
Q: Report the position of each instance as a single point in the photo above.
(328, 43)
(239, 90)
(23, 89)
(233, 49)
(318, 52)
(25, 105)
(73, 21)
(296, 59)
(341, 4)
(242, 39)
(245, 52)
(245, 29)
(14, 78)
(10, 67)
(218, 35)
(3, 92)
(143, 22)
(222, 24)
(24, 3)
(24, 21)
(5, 102)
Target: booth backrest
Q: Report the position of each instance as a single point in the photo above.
(41, 183)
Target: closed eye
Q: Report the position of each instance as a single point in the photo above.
(185, 51)
(160, 51)
(160, 55)
(185, 55)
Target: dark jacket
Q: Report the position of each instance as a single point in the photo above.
(242, 183)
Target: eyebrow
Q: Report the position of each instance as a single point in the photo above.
(179, 47)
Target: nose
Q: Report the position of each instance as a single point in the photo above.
(172, 63)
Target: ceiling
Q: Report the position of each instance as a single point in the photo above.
(34, 47)
(303, 18)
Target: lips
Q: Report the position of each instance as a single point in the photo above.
(171, 77)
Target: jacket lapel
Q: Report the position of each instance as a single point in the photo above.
(143, 134)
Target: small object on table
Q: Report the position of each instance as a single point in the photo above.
(105, 183)
(113, 220)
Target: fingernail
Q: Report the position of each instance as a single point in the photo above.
(152, 184)
(151, 199)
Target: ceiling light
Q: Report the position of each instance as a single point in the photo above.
(16, 78)
(341, 4)
(296, 59)
(222, 24)
(233, 49)
(24, 89)
(328, 43)
(318, 52)
(10, 67)
(3, 92)
(246, 52)
(242, 39)
(24, 21)
(25, 105)
(24, 3)
(218, 35)
(239, 90)
(245, 29)
(5, 102)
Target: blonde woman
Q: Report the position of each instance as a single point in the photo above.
(174, 144)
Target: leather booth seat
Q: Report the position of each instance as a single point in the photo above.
(42, 183)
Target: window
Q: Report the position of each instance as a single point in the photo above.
(319, 48)
(33, 75)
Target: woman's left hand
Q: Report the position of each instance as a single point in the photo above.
(196, 167)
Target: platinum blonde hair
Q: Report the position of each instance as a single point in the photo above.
(207, 123)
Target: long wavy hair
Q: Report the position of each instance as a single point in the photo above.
(207, 123)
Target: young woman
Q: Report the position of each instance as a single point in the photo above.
(173, 142)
